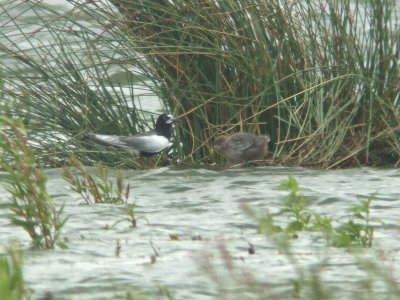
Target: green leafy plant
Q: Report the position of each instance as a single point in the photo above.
(96, 191)
(357, 231)
(11, 276)
(32, 207)
(130, 215)
(309, 281)
(295, 205)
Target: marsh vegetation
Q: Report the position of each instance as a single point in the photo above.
(320, 76)
(32, 207)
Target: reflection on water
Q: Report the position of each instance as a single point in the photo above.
(201, 208)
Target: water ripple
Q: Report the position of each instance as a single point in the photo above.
(185, 213)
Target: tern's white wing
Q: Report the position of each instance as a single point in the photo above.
(112, 140)
(146, 143)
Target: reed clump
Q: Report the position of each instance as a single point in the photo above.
(321, 77)
(32, 207)
(97, 190)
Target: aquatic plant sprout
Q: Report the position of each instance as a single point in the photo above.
(356, 231)
(98, 189)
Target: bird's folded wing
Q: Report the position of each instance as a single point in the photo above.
(146, 143)
(240, 142)
(109, 140)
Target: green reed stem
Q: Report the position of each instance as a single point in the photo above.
(32, 207)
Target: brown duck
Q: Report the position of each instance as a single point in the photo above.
(240, 147)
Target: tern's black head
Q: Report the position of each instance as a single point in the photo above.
(163, 125)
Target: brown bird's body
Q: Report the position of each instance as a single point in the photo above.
(242, 146)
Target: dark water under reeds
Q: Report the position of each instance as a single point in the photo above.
(190, 215)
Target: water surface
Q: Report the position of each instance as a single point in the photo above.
(189, 215)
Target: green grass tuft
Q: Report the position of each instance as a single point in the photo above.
(100, 190)
(12, 285)
(357, 231)
(32, 207)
